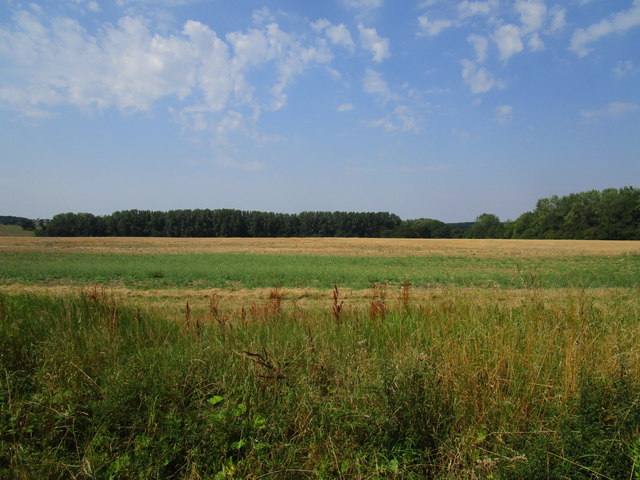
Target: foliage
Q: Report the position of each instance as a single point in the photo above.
(487, 226)
(26, 223)
(223, 223)
(421, 228)
(612, 214)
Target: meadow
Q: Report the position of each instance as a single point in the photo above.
(14, 231)
(319, 358)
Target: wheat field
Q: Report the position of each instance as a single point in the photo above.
(324, 246)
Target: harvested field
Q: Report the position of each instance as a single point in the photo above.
(389, 247)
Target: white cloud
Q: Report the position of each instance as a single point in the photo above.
(532, 14)
(339, 35)
(558, 19)
(508, 38)
(365, 10)
(346, 107)
(467, 8)
(625, 68)
(52, 62)
(374, 43)
(431, 28)
(374, 84)
(612, 110)
(535, 43)
(402, 119)
(504, 114)
(93, 6)
(480, 45)
(262, 16)
(616, 23)
(296, 62)
(479, 79)
(320, 24)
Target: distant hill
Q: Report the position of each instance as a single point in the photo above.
(15, 231)
(10, 220)
(11, 226)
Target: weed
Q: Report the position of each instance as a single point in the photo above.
(214, 311)
(273, 369)
(378, 305)
(275, 295)
(404, 295)
(337, 304)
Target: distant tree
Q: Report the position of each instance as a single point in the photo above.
(28, 224)
(610, 214)
(521, 227)
(487, 226)
(76, 225)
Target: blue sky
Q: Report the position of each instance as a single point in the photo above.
(425, 108)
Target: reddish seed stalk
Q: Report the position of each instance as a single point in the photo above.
(406, 286)
(337, 304)
(378, 307)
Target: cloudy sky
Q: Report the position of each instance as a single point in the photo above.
(426, 108)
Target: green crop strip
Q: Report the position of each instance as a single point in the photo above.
(255, 271)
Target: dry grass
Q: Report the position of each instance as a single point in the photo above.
(223, 302)
(324, 246)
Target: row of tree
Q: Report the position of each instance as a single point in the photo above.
(223, 223)
(612, 214)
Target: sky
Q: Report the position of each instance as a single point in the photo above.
(442, 109)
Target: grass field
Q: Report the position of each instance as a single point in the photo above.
(165, 358)
(14, 231)
(234, 271)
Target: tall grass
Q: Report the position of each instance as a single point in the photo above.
(456, 386)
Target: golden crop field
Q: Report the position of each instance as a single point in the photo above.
(324, 246)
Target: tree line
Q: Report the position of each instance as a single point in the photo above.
(611, 214)
(223, 223)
